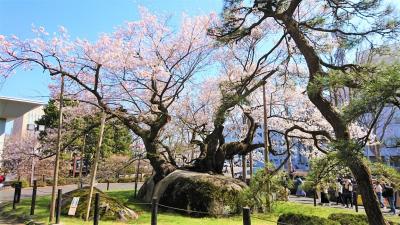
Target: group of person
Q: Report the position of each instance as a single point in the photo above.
(385, 191)
(345, 192)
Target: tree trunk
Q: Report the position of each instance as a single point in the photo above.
(332, 115)
(161, 167)
(364, 182)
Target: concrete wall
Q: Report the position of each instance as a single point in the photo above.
(2, 135)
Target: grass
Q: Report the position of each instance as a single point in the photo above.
(169, 218)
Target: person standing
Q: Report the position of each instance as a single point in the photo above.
(299, 189)
(324, 195)
(388, 193)
(348, 193)
(378, 191)
(339, 191)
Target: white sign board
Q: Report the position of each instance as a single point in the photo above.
(74, 205)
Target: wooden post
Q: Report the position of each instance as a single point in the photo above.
(33, 202)
(43, 179)
(246, 216)
(58, 150)
(154, 209)
(96, 215)
(58, 206)
(108, 185)
(95, 163)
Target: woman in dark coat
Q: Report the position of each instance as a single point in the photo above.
(324, 195)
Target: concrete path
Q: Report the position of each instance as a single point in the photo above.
(8, 221)
(7, 194)
(310, 201)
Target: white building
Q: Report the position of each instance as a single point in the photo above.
(22, 112)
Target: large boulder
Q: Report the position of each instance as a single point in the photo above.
(202, 192)
(110, 208)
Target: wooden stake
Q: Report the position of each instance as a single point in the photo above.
(95, 163)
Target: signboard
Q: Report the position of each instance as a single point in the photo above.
(74, 205)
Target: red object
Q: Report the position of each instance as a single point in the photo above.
(2, 178)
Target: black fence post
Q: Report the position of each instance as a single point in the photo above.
(96, 215)
(315, 197)
(33, 202)
(355, 201)
(15, 194)
(58, 206)
(19, 185)
(108, 185)
(246, 216)
(154, 209)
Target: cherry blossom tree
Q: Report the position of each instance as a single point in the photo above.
(134, 74)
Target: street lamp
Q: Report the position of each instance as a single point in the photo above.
(33, 128)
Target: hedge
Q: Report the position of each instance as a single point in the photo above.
(24, 183)
(299, 219)
(352, 219)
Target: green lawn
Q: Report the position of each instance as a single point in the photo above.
(166, 218)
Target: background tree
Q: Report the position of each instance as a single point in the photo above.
(80, 123)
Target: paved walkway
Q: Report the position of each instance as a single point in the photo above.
(310, 201)
(8, 221)
(7, 194)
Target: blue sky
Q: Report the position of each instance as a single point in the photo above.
(82, 18)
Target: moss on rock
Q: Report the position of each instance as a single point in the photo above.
(214, 194)
(110, 208)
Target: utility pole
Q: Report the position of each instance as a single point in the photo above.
(95, 163)
(33, 167)
(266, 153)
(81, 161)
(244, 168)
(58, 150)
(251, 164)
